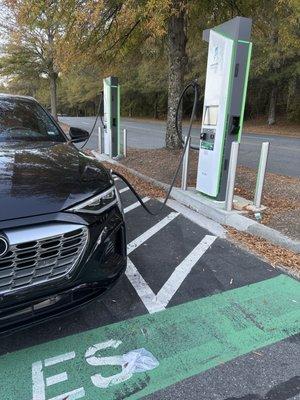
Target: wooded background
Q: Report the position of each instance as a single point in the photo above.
(59, 51)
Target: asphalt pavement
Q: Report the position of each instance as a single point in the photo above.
(194, 317)
(284, 156)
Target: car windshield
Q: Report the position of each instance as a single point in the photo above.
(22, 119)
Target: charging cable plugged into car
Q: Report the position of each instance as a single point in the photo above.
(192, 85)
(227, 73)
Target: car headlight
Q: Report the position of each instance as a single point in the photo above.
(98, 204)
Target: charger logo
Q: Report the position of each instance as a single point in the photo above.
(3, 246)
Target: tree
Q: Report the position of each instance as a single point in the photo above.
(35, 31)
(117, 30)
(176, 39)
(154, 46)
(275, 65)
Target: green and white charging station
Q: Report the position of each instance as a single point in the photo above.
(228, 62)
(111, 100)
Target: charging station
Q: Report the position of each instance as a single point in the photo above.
(111, 99)
(227, 73)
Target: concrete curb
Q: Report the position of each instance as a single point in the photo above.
(235, 220)
(214, 211)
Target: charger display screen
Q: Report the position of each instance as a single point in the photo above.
(211, 115)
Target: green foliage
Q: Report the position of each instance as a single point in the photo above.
(93, 39)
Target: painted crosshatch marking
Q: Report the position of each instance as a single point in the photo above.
(186, 340)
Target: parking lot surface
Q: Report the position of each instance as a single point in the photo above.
(283, 156)
(215, 322)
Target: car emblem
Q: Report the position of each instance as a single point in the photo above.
(3, 246)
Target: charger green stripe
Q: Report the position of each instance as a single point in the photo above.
(187, 340)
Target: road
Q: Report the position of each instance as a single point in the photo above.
(284, 157)
(221, 324)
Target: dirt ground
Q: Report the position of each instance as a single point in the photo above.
(282, 127)
(281, 194)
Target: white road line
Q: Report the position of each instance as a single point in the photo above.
(150, 232)
(124, 190)
(135, 205)
(116, 178)
(182, 270)
(143, 290)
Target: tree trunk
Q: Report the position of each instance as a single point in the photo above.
(272, 106)
(156, 106)
(274, 68)
(53, 93)
(53, 75)
(293, 100)
(177, 62)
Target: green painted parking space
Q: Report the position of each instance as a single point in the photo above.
(186, 340)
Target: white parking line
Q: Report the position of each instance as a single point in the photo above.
(150, 232)
(142, 288)
(182, 270)
(135, 205)
(124, 190)
(158, 302)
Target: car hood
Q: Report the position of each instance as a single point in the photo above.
(46, 178)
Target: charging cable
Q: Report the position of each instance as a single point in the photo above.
(96, 119)
(179, 132)
(195, 87)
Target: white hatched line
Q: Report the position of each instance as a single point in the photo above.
(143, 290)
(183, 269)
(135, 205)
(124, 190)
(155, 303)
(150, 232)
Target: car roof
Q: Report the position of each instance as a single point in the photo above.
(16, 96)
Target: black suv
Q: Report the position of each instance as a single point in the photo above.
(62, 233)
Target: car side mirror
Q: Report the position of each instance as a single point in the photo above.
(78, 135)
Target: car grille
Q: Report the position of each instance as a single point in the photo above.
(51, 256)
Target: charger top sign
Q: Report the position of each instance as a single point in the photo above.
(224, 102)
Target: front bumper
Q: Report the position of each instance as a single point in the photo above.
(102, 264)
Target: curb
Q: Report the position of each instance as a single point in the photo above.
(215, 212)
(235, 220)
